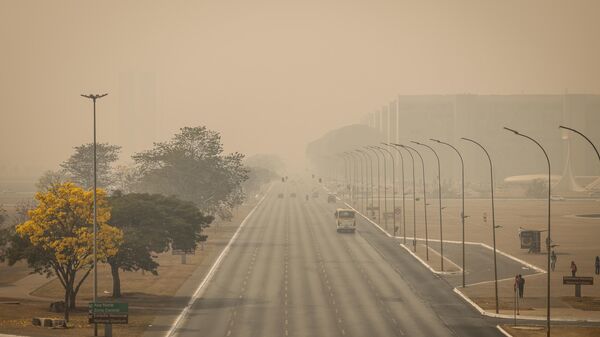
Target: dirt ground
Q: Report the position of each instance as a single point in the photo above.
(147, 295)
(562, 331)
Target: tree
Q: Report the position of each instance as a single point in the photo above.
(192, 166)
(58, 237)
(80, 166)
(150, 223)
(51, 178)
(257, 177)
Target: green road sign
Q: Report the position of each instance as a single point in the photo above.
(109, 313)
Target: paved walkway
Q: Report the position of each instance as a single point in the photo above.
(23, 288)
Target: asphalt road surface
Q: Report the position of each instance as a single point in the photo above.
(290, 274)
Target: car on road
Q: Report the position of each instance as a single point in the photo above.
(293, 195)
(280, 195)
(557, 198)
(345, 220)
(331, 198)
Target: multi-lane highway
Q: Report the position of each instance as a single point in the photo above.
(289, 273)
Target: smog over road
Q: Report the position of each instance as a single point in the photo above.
(299, 168)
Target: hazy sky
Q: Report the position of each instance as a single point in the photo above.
(270, 75)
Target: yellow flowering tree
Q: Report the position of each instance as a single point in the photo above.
(58, 237)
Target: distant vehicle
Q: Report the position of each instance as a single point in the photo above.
(293, 195)
(557, 198)
(315, 194)
(345, 220)
(280, 196)
(331, 198)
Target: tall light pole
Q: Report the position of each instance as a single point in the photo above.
(367, 155)
(414, 190)
(582, 135)
(424, 201)
(376, 148)
(355, 178)
(462, 213)
(403, 194)
(361, 171)
(440, 202)
(393, 188)
(549, 240)
(95, 252)
(493, 217)
(378, 185)
(365, 181)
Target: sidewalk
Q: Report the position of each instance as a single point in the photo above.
(23, 288)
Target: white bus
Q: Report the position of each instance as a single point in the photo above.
(344, 220)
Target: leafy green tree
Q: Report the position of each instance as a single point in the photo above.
(79, 168)
(150, 224)
(192, 166)
(51, 178)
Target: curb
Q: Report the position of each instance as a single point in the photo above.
(504, 332)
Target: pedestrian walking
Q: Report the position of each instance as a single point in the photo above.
(597, 265)
(553, 260)
(521, 286)
(573, 268)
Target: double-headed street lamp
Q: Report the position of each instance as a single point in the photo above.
(549, 240)
(94, 97)
(440, 202)
(403, 194)
(462, 213)
(493, 217)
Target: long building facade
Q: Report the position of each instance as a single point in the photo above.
(482, 118)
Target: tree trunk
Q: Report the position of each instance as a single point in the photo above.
(67, 297)
(72, 300)
(116, 293)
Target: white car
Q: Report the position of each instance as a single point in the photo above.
(557, 198)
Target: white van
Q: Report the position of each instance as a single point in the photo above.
(345, 220)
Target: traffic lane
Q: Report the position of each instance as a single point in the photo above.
(405, 314)
(261, 314)
(311, 310)
(210, 315)
(360, 312)
(456, 314)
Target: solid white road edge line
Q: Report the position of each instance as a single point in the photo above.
(504, 332)
(212, 270)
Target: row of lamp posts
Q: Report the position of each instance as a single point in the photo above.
(362, 155)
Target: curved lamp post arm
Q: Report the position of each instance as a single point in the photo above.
(582, 135)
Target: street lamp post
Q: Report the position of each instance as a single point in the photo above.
(95, 251)
(462, 213)
(549, 240)
(493, 217)
(414, 189)
(393, 188)
(378, 185)
(376, 148)
(356, 175)
(424, 200)
(367, 155)
(440, 202)
(364, 179)
(403, 194)
(360, 171)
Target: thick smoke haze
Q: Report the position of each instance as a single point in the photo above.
(270, 76)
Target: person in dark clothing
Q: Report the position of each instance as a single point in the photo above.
(573, 268)
(521, 285)
(597, 265)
